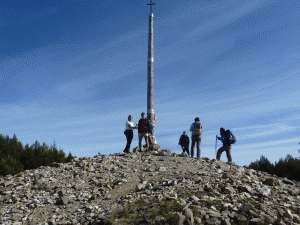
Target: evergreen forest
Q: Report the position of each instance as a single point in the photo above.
(16, 157)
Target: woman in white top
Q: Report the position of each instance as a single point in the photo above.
(129, 133)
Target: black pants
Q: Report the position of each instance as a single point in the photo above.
(195, 140)
(185, 148)
(227, 149)
(129, 137)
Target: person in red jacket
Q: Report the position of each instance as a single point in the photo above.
(142, 130)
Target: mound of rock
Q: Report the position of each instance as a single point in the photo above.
(147, 188)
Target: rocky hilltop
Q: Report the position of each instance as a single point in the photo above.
(147, 188)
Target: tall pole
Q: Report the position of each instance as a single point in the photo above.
(150, 66)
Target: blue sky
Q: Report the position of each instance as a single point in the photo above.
(72, 70)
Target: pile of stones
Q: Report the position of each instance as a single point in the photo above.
(147, 188)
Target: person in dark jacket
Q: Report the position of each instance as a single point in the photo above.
(142, 130)
(227, 138)
(196, 130)
(184, 142)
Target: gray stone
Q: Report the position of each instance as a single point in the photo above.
(162, 169)
(160, 219)
(142, 186)
(198, 221)
(181, 218)
(225, 221)
(189, 216)
(264, 191)
(287, 181)
(242, 220)
(256, 221)
(195, 198)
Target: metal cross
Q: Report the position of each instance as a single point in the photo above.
(151, 4)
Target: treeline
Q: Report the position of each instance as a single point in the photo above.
(15, 157)
(288, 167)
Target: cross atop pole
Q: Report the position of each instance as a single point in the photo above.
(151, 4)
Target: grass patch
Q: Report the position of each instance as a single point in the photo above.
(152, 212)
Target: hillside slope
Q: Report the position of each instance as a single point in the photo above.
(147, 188)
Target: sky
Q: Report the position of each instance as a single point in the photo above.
(72, 70)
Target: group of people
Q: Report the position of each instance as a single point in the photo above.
(145, 130)
(226, 137)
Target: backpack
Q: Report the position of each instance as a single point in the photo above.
(232, 138)
(197, 128)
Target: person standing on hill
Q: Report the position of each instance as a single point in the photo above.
(129, 126)
(184, 142)
(150, 136)
(227, 138)
(196, 130)
(142, 130)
